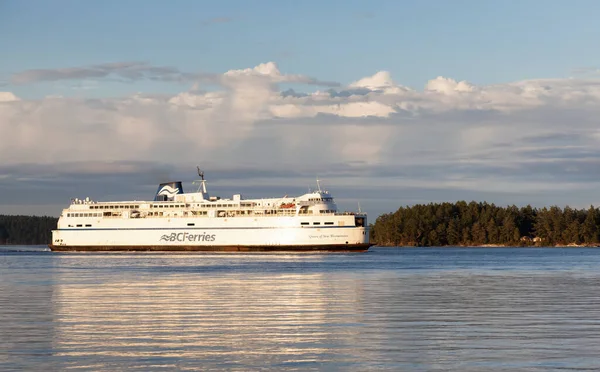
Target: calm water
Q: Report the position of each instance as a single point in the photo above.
(389, 309)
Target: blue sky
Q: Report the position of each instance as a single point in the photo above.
(394, 102)
(484, 42)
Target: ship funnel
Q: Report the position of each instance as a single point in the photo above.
(167, 191)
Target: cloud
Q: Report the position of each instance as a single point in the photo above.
(8, 97)
(583, 71)
(528, 141)
(216, 20)
(137, 71)
(124, 71)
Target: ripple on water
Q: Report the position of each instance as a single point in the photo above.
(393, 309)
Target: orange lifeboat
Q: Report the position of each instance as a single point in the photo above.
(287, 205)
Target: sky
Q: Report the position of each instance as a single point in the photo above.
(388, 103)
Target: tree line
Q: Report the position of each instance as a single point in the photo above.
(480, 223)
(26, 230)
(434, 224)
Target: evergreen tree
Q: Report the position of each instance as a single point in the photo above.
(475, 223)
(589, 229)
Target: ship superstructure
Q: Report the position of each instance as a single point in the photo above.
(196, 221)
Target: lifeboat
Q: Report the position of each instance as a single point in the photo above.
(287, 205)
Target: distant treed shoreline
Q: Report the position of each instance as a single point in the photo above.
(434, 224)
(480, 223)
(26, 230)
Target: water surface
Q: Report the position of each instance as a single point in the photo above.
(422, 309)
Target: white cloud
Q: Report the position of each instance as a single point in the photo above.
(448, 86)
(8, 97)
(451, 135)
(380, 81)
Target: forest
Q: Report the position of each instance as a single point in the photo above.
(480, 223)
(434, 224)
(26, 230)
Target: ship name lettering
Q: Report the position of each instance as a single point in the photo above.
(187, 237)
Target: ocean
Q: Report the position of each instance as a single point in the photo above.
(392, 309)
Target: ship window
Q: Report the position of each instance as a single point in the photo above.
(88, 225)
(316, 223)
(304, 223)
(191, 224)
(328, 223)
(78, 225)
(359, 222)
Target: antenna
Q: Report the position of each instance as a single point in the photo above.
(318, 184)
(202, 187)
(359, 210)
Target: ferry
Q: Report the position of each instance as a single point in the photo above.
(196, 221)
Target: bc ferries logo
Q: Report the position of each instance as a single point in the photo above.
(187, 237)
(168, 191)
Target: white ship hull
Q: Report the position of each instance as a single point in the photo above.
(291, 239)
(274, 233)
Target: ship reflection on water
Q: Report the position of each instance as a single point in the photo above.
(153, 316)
(384, 310)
